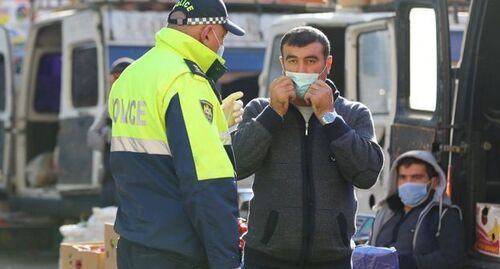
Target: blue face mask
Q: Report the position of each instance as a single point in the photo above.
(302, 81)
(412, 194)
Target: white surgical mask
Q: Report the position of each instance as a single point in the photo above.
(302, 81)
(220, 50)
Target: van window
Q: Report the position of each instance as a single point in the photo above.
(456, 37)
(374, 71)
(2, 83)
(244, 65)
(423, 59)
(84, 78)
(48, 83)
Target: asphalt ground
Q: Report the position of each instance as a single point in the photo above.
(29, 260)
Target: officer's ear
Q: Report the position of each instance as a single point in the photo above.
(205, 34)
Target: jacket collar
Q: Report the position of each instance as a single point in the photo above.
(189, 48)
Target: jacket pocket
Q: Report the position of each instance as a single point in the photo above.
(331, 235)
(272, 221)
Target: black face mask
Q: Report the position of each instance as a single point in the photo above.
(216, 70)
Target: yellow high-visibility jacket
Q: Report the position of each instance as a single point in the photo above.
(170, 154)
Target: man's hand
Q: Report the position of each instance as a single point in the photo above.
(233, 108)
(282, 92)
(320, 96)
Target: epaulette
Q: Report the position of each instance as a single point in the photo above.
(195, 69)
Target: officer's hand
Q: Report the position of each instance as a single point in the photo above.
(282, 92)
(233, 108)
(320, 96)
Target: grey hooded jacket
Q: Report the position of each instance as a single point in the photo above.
(304, 204)
(435, 237)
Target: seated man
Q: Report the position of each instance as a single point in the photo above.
(417, 217)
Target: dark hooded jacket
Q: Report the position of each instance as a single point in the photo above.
(430, 236)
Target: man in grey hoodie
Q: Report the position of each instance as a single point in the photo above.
(417, 217)
(308, 148)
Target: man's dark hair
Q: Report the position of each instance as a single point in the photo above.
(407, 161)
(304, 35)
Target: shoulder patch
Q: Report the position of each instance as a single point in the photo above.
(195, 69)
(208, 110)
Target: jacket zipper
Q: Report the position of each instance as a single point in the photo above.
(308, 204)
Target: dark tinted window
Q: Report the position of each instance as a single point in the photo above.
(2, 83)
(48, 84)
(84, 80)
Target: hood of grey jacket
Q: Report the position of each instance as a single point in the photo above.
(426, 156)
(440, 198)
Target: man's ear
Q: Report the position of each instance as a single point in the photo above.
(282, 65)
(329, 63)
(434, 182)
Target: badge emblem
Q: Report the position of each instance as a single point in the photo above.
(208, 110)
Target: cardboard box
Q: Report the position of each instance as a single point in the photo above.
(82, 256)
(352, 3)
(488, 229)
(110, 244)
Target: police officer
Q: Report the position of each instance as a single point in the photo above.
(172, 165)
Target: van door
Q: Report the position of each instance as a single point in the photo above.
(6, 107)
(370, 63)
(82, 90)
(476, 140)
(423, 88)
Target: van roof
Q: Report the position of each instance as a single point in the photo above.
(330, 18)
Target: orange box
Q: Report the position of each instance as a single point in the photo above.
(110, 244)
(488, 229)
(82, 256)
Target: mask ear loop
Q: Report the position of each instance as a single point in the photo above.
(324, 69)
(216, 38)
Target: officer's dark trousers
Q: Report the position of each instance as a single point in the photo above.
(131, 255)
